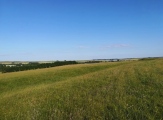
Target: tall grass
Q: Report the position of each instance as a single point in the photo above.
(103, 91)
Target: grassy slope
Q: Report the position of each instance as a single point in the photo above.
(123, 90)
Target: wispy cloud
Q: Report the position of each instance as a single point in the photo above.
(82, 47)
(116, 46)
(4, 55)
(25, 53)
(15, 54)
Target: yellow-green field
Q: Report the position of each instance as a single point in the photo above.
(130, 90)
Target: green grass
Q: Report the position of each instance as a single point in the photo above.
(103, 91)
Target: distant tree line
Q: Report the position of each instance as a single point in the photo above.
(147, 58)
(93, 62)
(1, 67)
(35, 65)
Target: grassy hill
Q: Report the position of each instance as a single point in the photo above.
(118, 90)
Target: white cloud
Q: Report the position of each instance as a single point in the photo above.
(3, 55)
(82, 47)
(116, 46)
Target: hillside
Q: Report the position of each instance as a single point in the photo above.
(115, 90)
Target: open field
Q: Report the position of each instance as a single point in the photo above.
(102, 91)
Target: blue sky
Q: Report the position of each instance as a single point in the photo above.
(80, 29)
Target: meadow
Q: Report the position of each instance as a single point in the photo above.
(128, 90)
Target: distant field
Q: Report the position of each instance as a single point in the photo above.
(130, 90)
